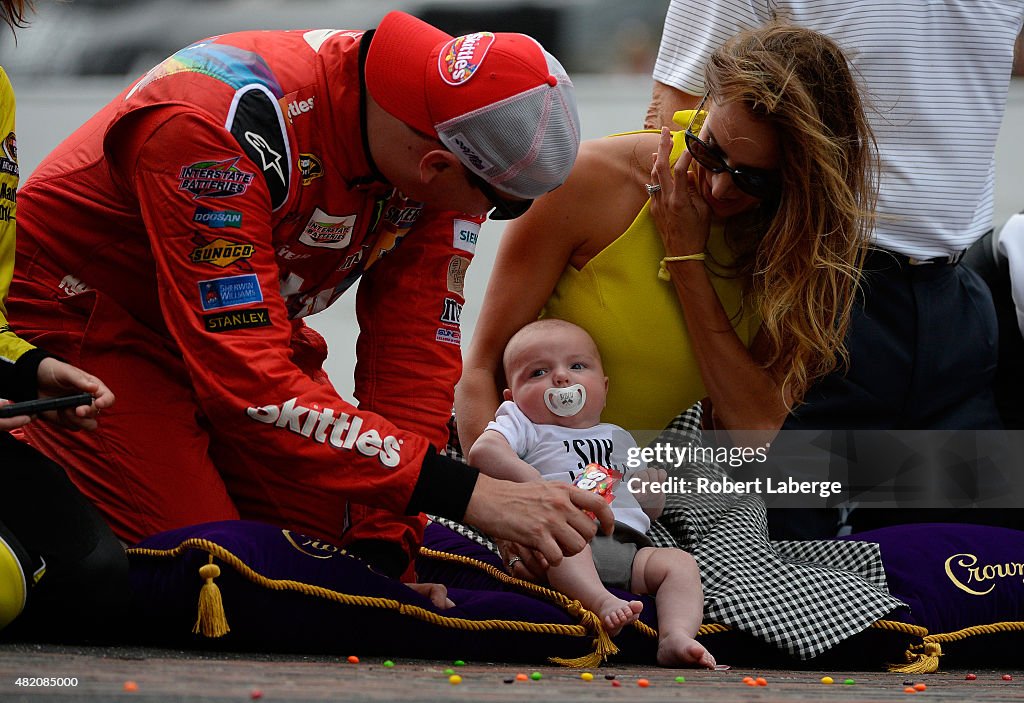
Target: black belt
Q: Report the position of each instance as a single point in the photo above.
(904, 260)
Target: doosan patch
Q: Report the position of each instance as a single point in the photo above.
(462, 56)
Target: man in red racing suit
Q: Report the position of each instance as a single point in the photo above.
(174, 243)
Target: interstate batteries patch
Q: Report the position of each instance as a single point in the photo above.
(214, 179)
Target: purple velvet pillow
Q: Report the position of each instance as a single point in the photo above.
(282, 591)
(964, 583)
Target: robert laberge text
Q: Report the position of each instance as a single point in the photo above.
(764, 486)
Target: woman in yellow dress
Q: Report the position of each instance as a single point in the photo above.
(719, 263)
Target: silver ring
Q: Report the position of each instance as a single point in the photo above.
(652, 188)
(514, 560)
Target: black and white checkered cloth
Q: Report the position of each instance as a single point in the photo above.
(802, 597)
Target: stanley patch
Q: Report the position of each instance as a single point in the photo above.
(228, 321)
(221, 252)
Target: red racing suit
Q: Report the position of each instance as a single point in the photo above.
(172, 246)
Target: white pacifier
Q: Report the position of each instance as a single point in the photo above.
(567, 401)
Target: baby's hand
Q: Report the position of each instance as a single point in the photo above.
(652, 503)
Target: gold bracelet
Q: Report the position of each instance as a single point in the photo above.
(663, 273)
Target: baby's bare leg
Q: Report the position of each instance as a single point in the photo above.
(577, 577)
(672, 576)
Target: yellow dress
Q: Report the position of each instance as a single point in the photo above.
(637, 322)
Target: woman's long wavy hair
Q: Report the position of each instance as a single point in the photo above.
(803, 253)
(13, 12)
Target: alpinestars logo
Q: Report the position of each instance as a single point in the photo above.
(322, 425)
(214, 179)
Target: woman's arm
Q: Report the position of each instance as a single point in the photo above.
(568, 226)
(745, 396)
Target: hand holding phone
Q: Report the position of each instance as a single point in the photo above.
(34, 407)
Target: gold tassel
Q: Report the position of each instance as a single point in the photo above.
(211, 620)
(603, 645)
(926, 663)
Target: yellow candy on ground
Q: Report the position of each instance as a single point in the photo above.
(827, 679)
(587, 676)
(454, 679)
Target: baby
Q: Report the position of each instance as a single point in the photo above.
(549, 428)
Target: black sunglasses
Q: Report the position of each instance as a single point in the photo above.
(501, 208)
(758, 182)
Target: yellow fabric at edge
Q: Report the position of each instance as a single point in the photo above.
(11, 346)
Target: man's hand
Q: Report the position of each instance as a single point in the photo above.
(544, 516)
(522, 562)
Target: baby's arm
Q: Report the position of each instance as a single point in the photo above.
(653, 504)
(494, 456)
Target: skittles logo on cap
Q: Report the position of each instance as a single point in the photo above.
(462, 56)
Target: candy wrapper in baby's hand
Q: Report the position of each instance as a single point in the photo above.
(597, 479)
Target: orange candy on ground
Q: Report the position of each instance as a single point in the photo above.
(522, 677)
(131, 686)
(643, 683)
(919, 687)
(353, 659)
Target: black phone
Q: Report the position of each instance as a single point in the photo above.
(33, 407)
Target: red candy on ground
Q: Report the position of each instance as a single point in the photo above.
(1007, 677)
(971, 677)
(256, 694)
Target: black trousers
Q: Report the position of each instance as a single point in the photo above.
(47, 519)
(923, 347)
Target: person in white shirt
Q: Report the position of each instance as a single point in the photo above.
(922, 340)
(549, 428)
(936, 74)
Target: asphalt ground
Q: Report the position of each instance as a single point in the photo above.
(103, 673)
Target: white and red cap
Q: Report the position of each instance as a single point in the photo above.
(498, 101)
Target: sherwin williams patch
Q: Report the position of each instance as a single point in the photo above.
(230, 291)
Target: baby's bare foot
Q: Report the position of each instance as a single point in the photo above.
(679, 650)
(616, 613)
